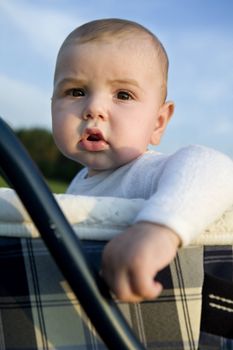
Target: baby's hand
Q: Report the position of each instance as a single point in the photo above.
(132, 260)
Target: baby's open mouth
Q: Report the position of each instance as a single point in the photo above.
(95, 137)
(93, 140)
(93, 134)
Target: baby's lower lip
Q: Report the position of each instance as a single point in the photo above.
(93, 146)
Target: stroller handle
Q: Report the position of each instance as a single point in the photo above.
(62, 242)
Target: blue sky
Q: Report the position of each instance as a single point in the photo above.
(197, 34)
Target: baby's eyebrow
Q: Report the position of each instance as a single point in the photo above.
(127, 81)
(70, 81)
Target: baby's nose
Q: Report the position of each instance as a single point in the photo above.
(95, 108)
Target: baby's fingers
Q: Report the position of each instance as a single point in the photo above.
(118, 282)
(128, 287)
(145, 286)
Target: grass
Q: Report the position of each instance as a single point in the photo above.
(3, 183)
(54, 185)
(57, 186)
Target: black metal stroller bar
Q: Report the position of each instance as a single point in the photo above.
(63, 243)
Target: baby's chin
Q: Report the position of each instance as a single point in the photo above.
(92, 172)
(98, 162)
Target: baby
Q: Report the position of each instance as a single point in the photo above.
(109, 103)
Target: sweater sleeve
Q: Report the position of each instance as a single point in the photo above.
(194, 188)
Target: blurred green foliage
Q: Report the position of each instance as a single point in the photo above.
(42, 149)
(55, 186)
(3, 183)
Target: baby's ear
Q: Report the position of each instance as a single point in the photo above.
(164, 115)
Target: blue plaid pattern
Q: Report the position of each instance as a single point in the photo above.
(38, 310)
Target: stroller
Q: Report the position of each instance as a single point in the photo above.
(48, 280)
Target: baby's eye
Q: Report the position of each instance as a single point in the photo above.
(124, 95)
(76, 92)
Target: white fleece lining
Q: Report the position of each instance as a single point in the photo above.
(98, 218)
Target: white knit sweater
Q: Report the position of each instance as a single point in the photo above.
(185, 191)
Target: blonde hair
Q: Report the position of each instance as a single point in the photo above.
(118, 28)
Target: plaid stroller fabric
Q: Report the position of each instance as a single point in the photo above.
(39, 311)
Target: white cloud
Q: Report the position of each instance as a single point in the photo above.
(201, 54)
(222, 126)
(44, 28)
(201, 81)
(24, 105)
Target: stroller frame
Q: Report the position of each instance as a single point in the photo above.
(63, 243)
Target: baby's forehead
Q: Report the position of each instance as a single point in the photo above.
(121, 31)
(130, 46)
(122, 53)
(130, 40)
(141, 46)
(125, 36)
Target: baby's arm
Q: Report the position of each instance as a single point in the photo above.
(132, 260)
(195, 187)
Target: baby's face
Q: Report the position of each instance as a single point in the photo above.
(106, 102)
